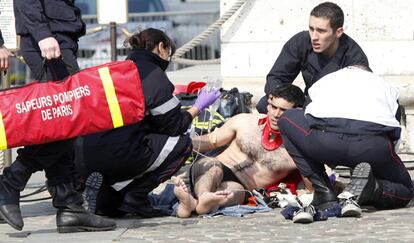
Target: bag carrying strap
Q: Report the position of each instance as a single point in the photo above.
(42, 77)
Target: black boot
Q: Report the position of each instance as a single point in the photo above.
(100, 198)
(323, 195)
(12, 182)
(71, 216)
(140, 205)
(135, 200)
(364, 186)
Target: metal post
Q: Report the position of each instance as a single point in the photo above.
(112, 29)
(6, 154)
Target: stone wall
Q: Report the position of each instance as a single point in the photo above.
(254, 36)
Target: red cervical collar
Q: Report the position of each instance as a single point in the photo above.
(271, 139)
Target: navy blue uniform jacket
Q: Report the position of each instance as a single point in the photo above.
(297, 56)
(40, 19)
(128, 145)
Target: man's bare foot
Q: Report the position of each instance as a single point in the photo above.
(211, 201)
(187, 203)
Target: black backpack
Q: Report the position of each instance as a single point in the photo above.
(232, 102)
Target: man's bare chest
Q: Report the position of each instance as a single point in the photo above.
(250, 144)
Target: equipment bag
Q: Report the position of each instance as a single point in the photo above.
(233, 102)
(202, 123)
(95, 99)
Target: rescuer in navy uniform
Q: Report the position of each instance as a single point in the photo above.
(323, 49)
(49, 31)
(127, 163)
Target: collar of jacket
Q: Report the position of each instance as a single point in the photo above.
(143, 54)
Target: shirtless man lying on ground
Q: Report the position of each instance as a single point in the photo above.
(254, 158)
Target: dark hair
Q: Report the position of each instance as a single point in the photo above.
(290, 93)
(330, 11)
(148, 39)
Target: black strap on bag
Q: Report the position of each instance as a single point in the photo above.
(42, 77)
(233, 102)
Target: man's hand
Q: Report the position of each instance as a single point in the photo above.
(5, 55)
(49, 48)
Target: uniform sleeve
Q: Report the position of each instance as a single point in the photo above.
(165, 114)
(350, 53)
(287, 65)
(33, 18)
(1, 39)
(356, 55)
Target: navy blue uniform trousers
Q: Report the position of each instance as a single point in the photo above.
(56, 158)
(311, 149)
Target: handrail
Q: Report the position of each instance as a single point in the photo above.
(199, 38)
(193, 42)
(158, 14)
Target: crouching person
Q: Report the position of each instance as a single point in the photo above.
(123, 165)
(351, 121)
(255, 158)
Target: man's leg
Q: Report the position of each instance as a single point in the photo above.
(135, 195)
(57, 161)
(383, 181)
(228, 193)
(186, 202)
(37, 157)
(299, 141)
(236, 193)
(29, 160)
(12, 182)
(394, 195)
(210, 189)
(204, 179)
(207, 175)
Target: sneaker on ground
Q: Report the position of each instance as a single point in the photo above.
(304, 215)
(350, 209)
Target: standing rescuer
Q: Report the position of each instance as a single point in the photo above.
(49, 31)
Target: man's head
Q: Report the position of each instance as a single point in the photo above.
(326, 27)
(284, 97)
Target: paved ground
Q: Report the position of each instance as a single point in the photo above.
(387, 226)
(374, 226)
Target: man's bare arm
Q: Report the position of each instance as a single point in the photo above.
(219, 137)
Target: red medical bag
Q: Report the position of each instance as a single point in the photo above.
(95, 99)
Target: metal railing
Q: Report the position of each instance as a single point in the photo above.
(95, 46)
(181, 26)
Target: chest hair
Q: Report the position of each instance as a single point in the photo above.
(250, 144)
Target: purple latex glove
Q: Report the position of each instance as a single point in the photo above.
(205, 99)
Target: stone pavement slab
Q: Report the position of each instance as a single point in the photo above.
(374, 226)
